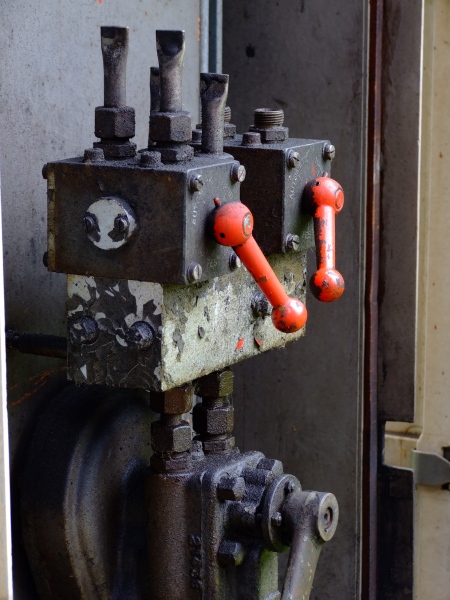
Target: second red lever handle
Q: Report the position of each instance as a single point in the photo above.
(326, 198)
(233, 226)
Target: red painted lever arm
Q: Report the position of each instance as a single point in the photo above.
(233, 226)
(326, 198)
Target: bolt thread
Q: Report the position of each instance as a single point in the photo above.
(267, 117)
(227, 115)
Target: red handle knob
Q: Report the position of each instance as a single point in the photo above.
(233, 226)
(326, 199)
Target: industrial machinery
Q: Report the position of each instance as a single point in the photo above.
(167, 288)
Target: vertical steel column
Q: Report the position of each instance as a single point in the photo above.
(5, 508)
(215, 35)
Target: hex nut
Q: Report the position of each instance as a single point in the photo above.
(171, 464)
(215, 385)
(177, 153)
(218, 445)
(117, 149)
(272, 134)
(114, 122)
(213, 421)
(170, 127)
(173, 402)
(230, 553)
(231, 488)
(171, 439)
(83, 330)
(270, 464)
(229, 131)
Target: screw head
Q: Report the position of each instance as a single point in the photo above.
(292, 242)
(234, 262)
(196, 182)
(328, 151)
(121, 223)
(90, 222)
(83, 330)
(293, 159)
(140, 336)
(194, 272)
(276, 519)
(237, 172)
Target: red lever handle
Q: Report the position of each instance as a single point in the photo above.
(326, 198)
(233, 226)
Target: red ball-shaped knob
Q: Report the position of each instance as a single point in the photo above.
(233, 224)
(290, 316)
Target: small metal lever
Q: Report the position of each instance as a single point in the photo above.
(233, 226)
(213, 94)
(325, 198)
(311, 519)
(114, 41)
(170, 47)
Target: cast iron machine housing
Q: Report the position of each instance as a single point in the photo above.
(153, 244)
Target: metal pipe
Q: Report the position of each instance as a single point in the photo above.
(213, 95)
(204, 36)
(170, 47)
(37, 343)
(114, 42)
(215, 35)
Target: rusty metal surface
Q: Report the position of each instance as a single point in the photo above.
(309, 58)
(171, 217)
(198, 328)
(273, 190)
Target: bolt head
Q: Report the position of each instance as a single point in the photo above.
(121, 223)
(194, 272)
(83, 330)
(140, 336)
(237, 172)
(251, 138)
(93, 155)
(234, 262)
(230, 553)
(231, 488)
(90, 222)
(196, 182)
(293, 159)
(292, 242)
(150, 158)
(176, 401)
(328, 151)
(276, 519)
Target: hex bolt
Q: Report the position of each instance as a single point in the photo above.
(93, 155)
(231, 488)
(234, 262)
(230, 553)
(328, 151)
(150, 158)
(90, 222)
(196, 182)
(83, 330)
(194, 272)
(140, 336)
(237, 172)
(251, 138)
(276, 519)
(293, 159)
(121, 223)
(292, 242)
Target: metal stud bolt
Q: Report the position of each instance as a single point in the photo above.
(237, 173)
(194, 272)
(196, 182)
(292, 242)
(90, 222)
(121, 223)
(293, 159)
(328, 151)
